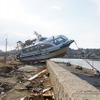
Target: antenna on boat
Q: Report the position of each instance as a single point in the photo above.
(38, 35)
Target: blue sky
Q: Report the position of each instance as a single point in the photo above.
(76, 19)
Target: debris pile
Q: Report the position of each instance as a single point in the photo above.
(4, 87)
(25, 82)
(39, 87)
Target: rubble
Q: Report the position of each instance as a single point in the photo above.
(4, 87)
(25, 82)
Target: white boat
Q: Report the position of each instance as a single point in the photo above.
(41, 49)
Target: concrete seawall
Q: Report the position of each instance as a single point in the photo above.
(67, 86)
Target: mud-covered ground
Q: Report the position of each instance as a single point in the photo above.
(14, 83)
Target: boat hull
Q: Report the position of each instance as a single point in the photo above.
(45, 56)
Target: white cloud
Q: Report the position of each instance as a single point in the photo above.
(97, 5)
(10, 9)
(14, 11)
(56, 7)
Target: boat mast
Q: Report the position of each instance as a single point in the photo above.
(38, 38)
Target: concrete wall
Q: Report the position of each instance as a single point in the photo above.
(67, 86)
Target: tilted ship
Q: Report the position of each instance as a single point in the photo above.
(42, 48)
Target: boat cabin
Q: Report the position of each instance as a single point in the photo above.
(46, 44)
(57, 40)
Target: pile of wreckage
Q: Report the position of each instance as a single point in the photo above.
(33, 81)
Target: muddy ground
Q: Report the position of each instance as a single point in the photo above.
(14, 83)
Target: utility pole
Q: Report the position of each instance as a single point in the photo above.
(6, 43)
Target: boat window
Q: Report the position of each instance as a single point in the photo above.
(34, 48)
(61, 39)
(58, 40)
(45, 46)
(25, 50)
(31, 49)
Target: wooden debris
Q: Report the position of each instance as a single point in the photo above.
(35, 76)
(47, 89)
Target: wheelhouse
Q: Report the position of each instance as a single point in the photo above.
(57, 40)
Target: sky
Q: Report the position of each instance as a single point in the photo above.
(76, 19)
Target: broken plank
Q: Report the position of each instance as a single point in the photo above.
(35, 76)
(47, 89)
